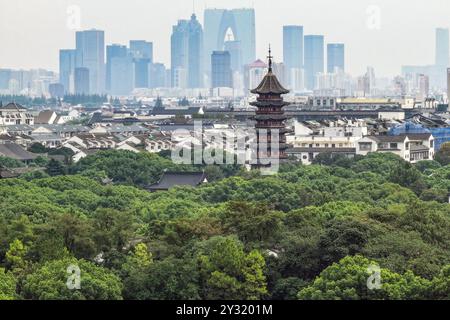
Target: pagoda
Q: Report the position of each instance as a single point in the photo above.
(270, 119)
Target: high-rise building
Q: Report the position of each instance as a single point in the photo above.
(292, 50)
(234, 48)
(90, 54)
(81, 81)
(253, 74)
(5, 76)
(66, 69)
(335, 57)
(187, 53)
(157, 75)
(442, 47)
(240, 22)
(448, 86)
(279, 70)
(222, 75)
(113, 51)
(142, 49)
(142, 53)
(179, 49)
(424, 86)
(314, 59)
(56, 90)
(122, 75)
(195, 53)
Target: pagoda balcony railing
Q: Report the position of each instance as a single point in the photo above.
(272, 111)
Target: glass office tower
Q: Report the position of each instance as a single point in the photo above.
(314, 59)
(335, 57)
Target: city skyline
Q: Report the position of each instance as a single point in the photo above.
(154, 26)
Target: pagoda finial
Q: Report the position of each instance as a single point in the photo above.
(270, 59)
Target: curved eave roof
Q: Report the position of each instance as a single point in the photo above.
(270, 85)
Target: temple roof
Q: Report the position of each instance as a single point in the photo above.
(270, 85)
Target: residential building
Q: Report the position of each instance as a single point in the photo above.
(15, 114)
(410, 147)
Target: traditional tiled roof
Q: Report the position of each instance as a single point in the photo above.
(172, 179)
(270, 85)
(14, 151)
(13, 105)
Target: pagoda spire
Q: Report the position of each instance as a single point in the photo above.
(270, 59)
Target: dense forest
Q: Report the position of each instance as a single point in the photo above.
(309, 232)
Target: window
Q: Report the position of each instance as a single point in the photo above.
(407, 146)
(365, 146)
(317, 145)
(326, 145)
(431, 143)
(394, 145)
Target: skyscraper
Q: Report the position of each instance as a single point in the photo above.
(157, 75)
(81, 81)
(442, 48)
(314, 59)
(142, 53)
(179, 49)
(66, 69)
(293, 47)
(187, 53)
(122, 75)
(424, 86)
(241, 22)
(234, 48)
(222, 75)
(448, 86)
(195, 59)
(5, 76)
(90, 54)
(335, 57)
(113, 51)
(142, 49)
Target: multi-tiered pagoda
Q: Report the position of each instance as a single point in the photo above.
(270, 119)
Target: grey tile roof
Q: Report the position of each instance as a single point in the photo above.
(172, 179)
(14, 151)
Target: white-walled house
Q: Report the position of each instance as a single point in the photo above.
(410, 147)
(15, 114)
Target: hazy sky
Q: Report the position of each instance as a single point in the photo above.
(32, 31)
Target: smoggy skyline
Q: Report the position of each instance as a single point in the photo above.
(404, 33)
